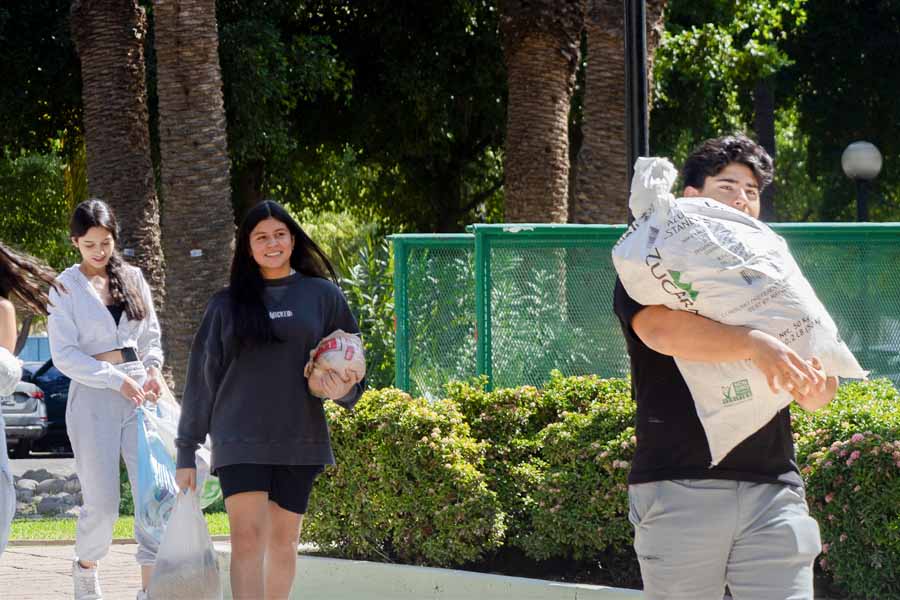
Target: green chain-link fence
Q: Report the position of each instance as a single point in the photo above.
(514, 302)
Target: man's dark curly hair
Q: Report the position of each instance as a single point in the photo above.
(713, 155)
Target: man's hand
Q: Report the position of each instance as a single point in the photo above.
(818, 397)
(783, 368)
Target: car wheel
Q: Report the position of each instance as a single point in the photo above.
(22, 449)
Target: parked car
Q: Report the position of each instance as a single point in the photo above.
(26, 418)
(55, 388)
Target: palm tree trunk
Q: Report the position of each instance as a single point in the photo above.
(601, 183)
(541, 48)
(109, 36)
(198, 219)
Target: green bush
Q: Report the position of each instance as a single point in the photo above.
(857, 407)
(579, 507)
(849, 453)
(408, 485)
(509, 422)
(853, 489)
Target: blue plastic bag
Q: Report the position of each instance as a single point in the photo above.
(156, 491)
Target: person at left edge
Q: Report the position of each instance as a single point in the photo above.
(23, 278)
(245, 388)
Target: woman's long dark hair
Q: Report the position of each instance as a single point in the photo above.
(251, 318)
(27, 278)
(123, 289)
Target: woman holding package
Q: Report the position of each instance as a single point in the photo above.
(246, 389)
(25, 278)
(104, 335)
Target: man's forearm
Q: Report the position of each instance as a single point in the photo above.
(692, 337)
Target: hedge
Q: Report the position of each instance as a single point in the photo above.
(543, 472)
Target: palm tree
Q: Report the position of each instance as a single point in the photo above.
(198, 219)
(109, 36)
(601, 180)
(541, 40)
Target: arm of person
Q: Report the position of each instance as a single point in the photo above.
(688, 336)
(205, 369)
(68, 357)
(10, 367)
(7, 324)
(150, 338)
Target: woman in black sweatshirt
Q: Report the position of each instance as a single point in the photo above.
(245, 388)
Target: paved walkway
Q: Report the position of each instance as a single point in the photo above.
(44, 572)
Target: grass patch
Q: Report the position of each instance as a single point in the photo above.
(64, 529)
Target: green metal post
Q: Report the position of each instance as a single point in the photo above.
(483, 358)
(401, 313)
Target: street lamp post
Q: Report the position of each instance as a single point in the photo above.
(635, 84)
(861, 162)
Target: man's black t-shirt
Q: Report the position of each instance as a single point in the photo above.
(671, 443)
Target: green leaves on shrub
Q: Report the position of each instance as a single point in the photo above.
(579, 507)
(408, 486)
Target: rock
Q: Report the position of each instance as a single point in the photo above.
(73, 512)
(68, 499)
(50, 486)
(24, 509)
(26, 484)
(72, 486)
(51, 505)
(72, 477)
(38, 474)
(24, 495)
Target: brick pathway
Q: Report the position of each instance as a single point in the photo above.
(44, 572)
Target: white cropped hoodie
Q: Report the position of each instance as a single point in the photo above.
(80, 326)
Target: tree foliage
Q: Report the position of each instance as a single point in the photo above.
(711, 56)
(845, 65)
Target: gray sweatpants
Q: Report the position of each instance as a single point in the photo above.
(694, 536)
(102, 425)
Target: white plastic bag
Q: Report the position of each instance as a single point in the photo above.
(186, 565)
(339, 351)
(155, 493)
(702, 256)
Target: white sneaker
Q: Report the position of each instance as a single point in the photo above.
(142, 595)
(87, 582)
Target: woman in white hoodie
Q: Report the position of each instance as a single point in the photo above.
(104, 335)
(25, 278)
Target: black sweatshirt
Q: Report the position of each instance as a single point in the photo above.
(255, 404)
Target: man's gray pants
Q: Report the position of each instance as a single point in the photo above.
(102, 425)
(692, 537)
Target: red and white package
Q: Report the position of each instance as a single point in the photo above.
(341, 352)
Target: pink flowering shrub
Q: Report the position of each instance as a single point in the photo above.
(846, 452)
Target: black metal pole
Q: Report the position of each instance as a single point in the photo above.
(636, 83)
(862, 200)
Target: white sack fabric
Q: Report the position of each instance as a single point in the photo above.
(10, 372)
(702, 256)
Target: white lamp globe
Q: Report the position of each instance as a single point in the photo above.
(861, 160)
